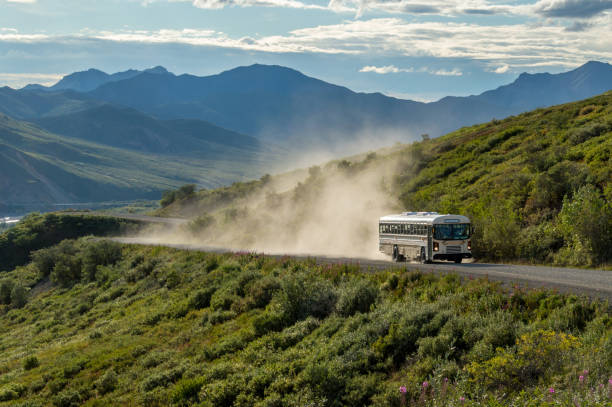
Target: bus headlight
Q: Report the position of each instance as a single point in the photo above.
(436, 247)
(469, 245)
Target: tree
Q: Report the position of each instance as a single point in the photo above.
(19, 296)
(586, 223)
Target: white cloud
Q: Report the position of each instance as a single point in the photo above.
(21, 1)
(444, 72)
(502, 69)
(517, 45)
(384, 69)
(219, 4)
(393, 69)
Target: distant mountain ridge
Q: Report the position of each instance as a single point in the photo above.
(91, 79)
(283, 105)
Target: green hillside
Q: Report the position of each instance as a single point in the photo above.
(537, 186)
(98, 324)
(38, 167)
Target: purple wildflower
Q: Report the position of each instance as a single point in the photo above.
(403, 389)
(425, 384)
(551, 390)
(581, 378)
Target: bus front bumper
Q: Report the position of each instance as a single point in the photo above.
(440, 256)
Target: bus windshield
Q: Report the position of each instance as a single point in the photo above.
(460, 231)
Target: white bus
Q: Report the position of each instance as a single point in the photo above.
(425, 237)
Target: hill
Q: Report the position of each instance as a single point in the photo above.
(128, 128)
(537, 187)
(39, 168)
(92, 322)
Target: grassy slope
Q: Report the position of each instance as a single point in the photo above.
(38, 166)
(510, 176)
(163, 326)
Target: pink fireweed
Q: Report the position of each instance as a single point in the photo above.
(402, 389)
(551, 390)
(581, 379)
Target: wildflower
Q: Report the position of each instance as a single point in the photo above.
(403, 389)
(425, 384)
(551, 390)
(585, 372)
(581, 379)
(462, 400)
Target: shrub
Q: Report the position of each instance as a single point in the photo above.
(187, 391)
(6, 287)
(356, 297)
(201, 298)
(262, 292)
(107, 382)
(301, 297)
(12, 392)
(19, 296)
(101, 253)
(30, 362)
(68, 398)
(223, 298)
(586, 222)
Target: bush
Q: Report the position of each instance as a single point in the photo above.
(6, 288)
(12, 392)
(19, 296)
(68, 398)
(107, 382)
(187, 391)
(356, 297)
(30, 363)
(586, 223)
(201, 298)
(223, 298)
(101, 253)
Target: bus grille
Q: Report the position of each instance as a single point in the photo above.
(453, 249)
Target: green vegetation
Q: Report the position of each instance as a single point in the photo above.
(157, 326)
(37, 231)
(538, 186)
(38, 167)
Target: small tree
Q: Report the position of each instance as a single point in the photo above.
(6, 287)
(19, 296)
(586, 223)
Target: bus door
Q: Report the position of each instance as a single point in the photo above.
(429, 243)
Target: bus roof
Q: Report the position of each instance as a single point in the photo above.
(425, 217)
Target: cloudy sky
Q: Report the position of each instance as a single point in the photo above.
(418, 49)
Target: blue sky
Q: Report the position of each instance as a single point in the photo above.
(413, 49)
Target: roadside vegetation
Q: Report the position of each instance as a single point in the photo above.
(37, 231)
(109, 324)
(537, 186)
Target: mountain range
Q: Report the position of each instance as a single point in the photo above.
(235, 124)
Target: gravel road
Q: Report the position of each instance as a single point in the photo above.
(592, 283)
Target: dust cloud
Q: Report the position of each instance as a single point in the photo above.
(331, 210)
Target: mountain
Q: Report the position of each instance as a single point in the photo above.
(31, 104)
(286, 107)
(91, 79)
(129, 129)
(39, 168)
(279, 103)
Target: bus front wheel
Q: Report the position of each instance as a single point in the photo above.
(458, 259)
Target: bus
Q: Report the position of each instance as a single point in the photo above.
(425, 237)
